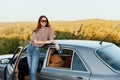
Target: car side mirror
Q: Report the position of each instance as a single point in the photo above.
(4, 61)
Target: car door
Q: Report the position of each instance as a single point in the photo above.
(73, 68)
(10, 68)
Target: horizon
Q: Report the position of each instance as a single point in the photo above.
(61, 20)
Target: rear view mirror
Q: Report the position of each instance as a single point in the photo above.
(5, 61)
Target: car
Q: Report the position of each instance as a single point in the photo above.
(76, 60)
(11, 64)
(6, 56)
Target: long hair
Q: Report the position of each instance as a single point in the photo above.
(39, 24)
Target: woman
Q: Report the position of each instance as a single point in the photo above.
(41, 35)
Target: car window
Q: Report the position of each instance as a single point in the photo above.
(111, 56)
(59, 59)
(15, 54)
(43, 51)
(23, 58)
(77, 63)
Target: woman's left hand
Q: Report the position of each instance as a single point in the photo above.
(57, 46)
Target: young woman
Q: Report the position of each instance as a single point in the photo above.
(41, 35)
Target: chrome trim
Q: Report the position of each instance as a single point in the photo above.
(46, 58)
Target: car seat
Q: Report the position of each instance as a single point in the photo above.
(56, 61)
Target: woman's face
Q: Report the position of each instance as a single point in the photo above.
(43, 22)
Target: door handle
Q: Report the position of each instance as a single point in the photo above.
(80, 78)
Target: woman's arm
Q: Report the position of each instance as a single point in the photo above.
(42, 42)
(47, 42)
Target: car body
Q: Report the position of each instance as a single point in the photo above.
(76, 60)
(4, 59)
(6, 56)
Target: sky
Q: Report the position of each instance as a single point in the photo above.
(30, 10)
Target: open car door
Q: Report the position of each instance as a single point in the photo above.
(10, 70)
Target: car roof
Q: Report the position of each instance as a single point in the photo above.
(85, 43)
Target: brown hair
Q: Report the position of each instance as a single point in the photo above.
(39, 24)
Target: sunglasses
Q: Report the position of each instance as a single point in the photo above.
(43, 21)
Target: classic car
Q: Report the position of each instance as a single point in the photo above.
(76, 60)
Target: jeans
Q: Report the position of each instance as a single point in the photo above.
(32, 58)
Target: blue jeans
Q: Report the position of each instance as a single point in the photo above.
(32, 58)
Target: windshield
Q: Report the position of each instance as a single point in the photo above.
(111, 56)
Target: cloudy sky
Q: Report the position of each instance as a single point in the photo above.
(30, 10)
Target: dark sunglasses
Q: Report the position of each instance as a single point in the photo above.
(43, 20)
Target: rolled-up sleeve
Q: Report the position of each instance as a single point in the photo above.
(51, 35)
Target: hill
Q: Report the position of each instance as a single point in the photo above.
(89, 27)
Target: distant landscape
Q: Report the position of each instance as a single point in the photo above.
(14, 34)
